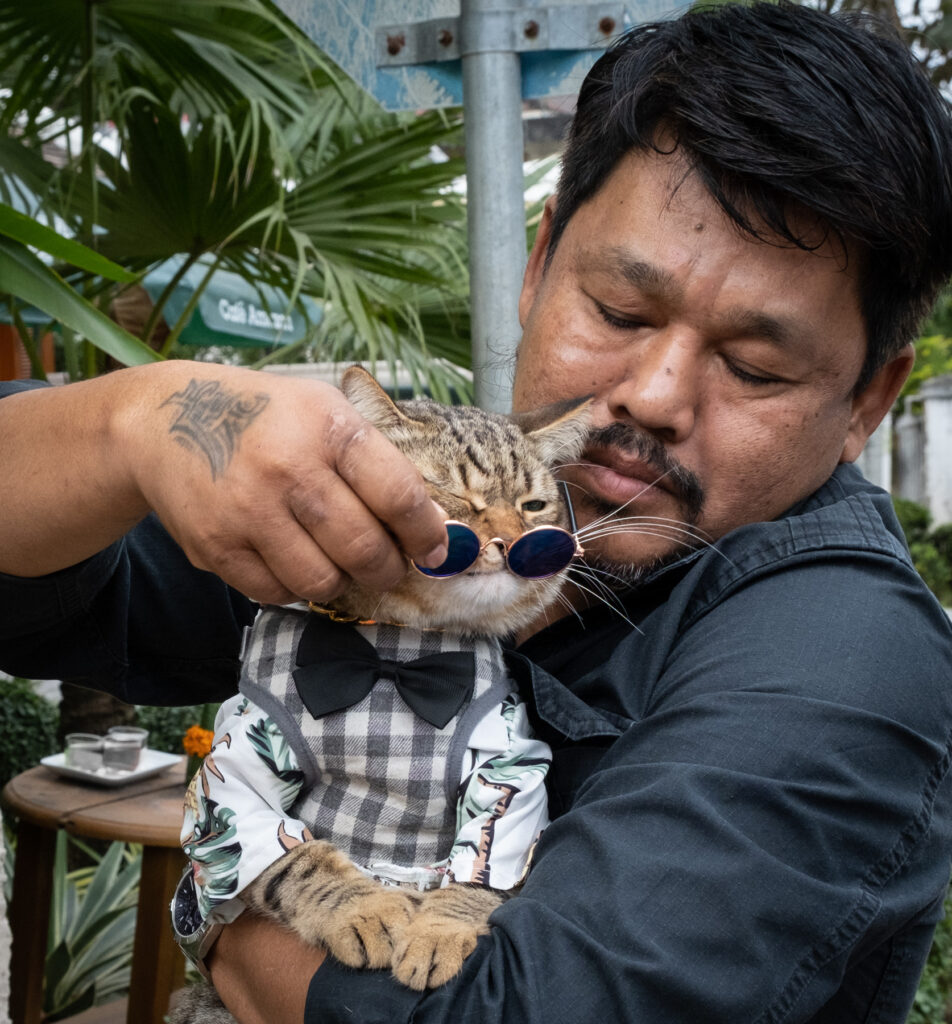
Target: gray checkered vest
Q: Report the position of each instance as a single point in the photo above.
(380, 782)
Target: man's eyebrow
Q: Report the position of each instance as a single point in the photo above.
(753, 323)
(636, 272)
(656, 281)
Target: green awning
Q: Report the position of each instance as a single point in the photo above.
(230, 311)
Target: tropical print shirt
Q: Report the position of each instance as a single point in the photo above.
(409, 803)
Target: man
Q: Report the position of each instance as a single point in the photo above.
(750, 790)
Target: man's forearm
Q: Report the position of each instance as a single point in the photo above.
(67, 493)
(262, 971)
(277, 485)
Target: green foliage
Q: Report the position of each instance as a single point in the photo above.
(934, 569)
(933, 358)
(933, 1003)
(232, 137)
(92, 926)
(931, 550)
(940, 320)
(28, 725)
(942, 539)
(167, 725)
(915, 519)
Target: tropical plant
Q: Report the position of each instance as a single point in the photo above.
(231, 137)
(26, 277)
(92, 925)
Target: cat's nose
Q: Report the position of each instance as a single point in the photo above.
(494, 552)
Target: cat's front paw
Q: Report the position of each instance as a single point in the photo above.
(366, 931)
(432, 948)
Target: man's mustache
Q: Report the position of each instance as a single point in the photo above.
(649, 450)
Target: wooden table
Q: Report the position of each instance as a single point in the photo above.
(147, 812)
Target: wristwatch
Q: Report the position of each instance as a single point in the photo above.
(195, 935)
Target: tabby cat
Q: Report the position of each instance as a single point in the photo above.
(415, 845)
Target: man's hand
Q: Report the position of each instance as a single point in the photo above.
(273, 483)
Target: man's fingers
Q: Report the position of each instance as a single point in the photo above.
(317, 566)
(249, 574)
(339, 523)
(393, 490)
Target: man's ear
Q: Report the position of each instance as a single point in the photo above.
(875, 401)
(536, 265)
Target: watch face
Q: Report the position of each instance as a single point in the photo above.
(186, 920)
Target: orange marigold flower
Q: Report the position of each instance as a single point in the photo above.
(198, 741)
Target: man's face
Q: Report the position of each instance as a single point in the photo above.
(722, 368)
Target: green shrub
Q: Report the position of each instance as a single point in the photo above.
(933, 1004)
(915, 519)
(941, 537)
(28, 726)
(167, 725)
(931, 550)
(934, 569)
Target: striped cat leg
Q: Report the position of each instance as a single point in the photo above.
(442, 934)
(316, 892)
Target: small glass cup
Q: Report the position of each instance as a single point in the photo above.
(84, 750)
(122, 747)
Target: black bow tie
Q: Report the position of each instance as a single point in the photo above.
(337, 668)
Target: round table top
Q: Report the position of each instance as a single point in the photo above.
(147, 812)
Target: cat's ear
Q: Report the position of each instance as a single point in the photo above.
(557, 431)
(369, 398)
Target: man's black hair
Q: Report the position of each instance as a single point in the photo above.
(778, 108)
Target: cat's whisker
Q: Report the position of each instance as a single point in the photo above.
(679, 523)
(651, 529)
(635, 497)
(575, 571)
(589, 573)
(595, 571)
(610, 517)
(634, 522)
(562, 600)
(586, 567)
(645, 532)
(659, 526)
(665, 532)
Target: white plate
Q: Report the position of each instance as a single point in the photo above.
(151, 762)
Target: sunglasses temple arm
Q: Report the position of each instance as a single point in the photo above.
(568, 505)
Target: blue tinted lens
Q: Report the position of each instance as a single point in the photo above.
(541, 552)
(463, 551)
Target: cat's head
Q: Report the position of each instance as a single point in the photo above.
(491, 472)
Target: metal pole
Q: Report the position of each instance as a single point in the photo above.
(492, 98)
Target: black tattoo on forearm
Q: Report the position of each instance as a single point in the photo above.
(211, 420)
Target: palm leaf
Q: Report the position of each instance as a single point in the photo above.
(30, 280)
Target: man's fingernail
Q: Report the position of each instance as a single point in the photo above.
(436, 557)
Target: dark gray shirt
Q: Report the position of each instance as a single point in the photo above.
(751, 791)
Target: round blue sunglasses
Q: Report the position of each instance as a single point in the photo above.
(534, 555)
(540, 552)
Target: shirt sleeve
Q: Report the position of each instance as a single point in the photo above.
(236, 822)
(502, 806)
(136, 620)
(780, 809)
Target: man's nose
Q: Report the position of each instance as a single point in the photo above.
(659, 389)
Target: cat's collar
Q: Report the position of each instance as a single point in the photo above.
(336, 616)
